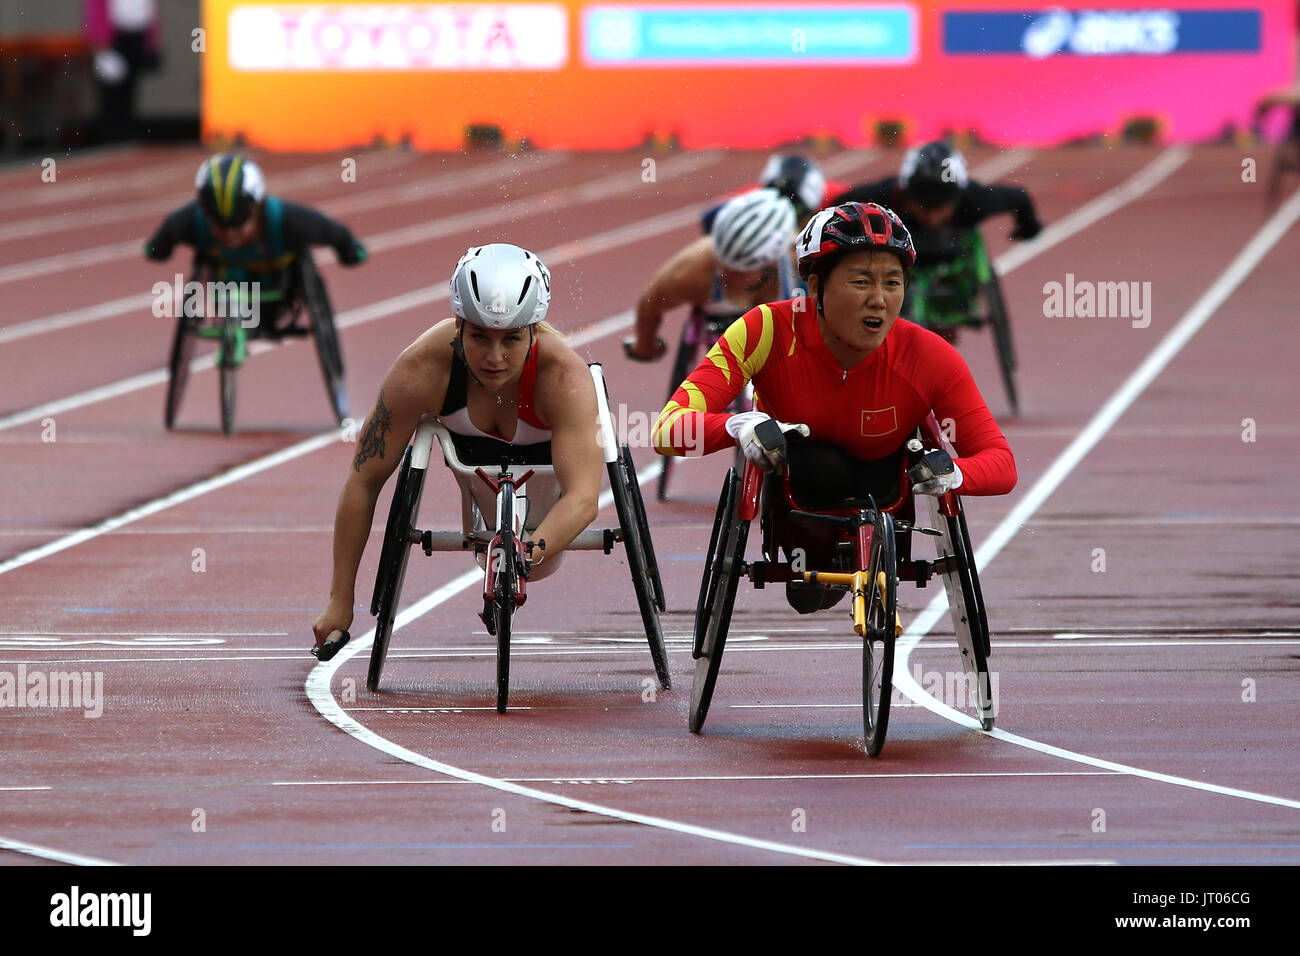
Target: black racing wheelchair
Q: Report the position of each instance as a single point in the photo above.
(862, 544)
(293, 304)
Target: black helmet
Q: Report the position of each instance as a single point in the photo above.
(933, 174)
(230, 188)
(798, 179)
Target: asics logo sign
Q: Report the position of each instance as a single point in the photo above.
(1099, 34)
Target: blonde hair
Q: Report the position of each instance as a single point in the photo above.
(545, 328)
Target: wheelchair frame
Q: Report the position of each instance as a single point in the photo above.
(988, 286)
(305, 293)
(502, 549)
(880, 541)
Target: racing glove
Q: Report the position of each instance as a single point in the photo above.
(354, 255)
(764, 446)
(936, 474)
(1027, 228)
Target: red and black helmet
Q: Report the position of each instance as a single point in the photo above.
(850, 226)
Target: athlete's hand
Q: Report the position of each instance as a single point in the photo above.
(354, 255)
(765, 447)
(1028, 229)
(938, 484)
(337, 617)
(635, 350)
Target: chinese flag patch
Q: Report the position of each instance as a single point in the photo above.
(882, 421)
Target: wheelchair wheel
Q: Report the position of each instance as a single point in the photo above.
(643, 528)
(640, 559)
(503, 609)
(721, 576)
(392, 562)
(707, 583)
(682, 367)
(878, 642)
(321, 316)
(967, 607)
(1001, 322)
(229, 366)
(178, 368)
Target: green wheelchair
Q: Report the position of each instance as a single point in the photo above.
(965, 292)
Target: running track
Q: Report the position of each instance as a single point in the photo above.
(1120, 691)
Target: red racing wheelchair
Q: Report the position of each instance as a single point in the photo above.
(862, 544)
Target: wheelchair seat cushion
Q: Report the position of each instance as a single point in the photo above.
(490, 452)
(824, 477)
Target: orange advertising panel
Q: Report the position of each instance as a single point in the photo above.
(587, 74)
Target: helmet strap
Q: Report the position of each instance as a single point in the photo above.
(458, 346)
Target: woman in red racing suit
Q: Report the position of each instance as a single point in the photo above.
(841, 366)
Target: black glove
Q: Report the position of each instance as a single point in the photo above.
(354, 255)
(1027, 228)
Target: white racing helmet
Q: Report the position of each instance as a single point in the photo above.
(500, 286)
(753, 230)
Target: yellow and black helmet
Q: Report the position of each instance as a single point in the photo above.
(230, 188)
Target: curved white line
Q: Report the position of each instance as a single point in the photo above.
(1059, 470)
(319, 693)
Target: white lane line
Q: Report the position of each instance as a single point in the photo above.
(613, 779)
(320, 694)
(999, 166)
(288, 186)
(278, 654)
(1200, 312)
(581, 337)
(175, 498)
(9, 789)
(1140, 183)
(58, 856)
(388, 195)
(396, 238)
(598, 243)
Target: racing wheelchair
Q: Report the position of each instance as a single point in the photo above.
(298, 305)
(865, 538)
(504, 550)
(965, 292)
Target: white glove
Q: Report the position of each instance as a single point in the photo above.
(741, 427)
(940, 484)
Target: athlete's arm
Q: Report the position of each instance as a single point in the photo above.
(980, 201)
(409, 390)
(694, 422)
(881, 191)
(686, 277)
(983, 455)
(304, 228)
(566, 398)
(178, 227)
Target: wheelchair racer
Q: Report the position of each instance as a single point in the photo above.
(843, 366)
(745, 260)
(248, 236)
(934, 193)
(497, 373)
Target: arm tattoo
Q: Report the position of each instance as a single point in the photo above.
(372, 442)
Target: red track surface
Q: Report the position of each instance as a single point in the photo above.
(207, 699)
